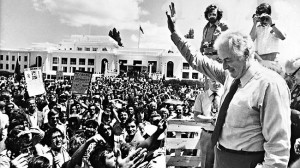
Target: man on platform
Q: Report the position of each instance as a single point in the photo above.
(205, 111)
(253, 124)
(212, 30)
(266, 33)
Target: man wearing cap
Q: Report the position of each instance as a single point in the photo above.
(253, 125)
(205, 111)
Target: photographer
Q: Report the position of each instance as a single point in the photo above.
(266, 33)
(212, 30)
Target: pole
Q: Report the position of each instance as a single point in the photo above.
(139, 37)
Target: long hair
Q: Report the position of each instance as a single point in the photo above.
(212, 7)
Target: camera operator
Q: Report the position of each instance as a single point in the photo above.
(266, 33)
(212, 30)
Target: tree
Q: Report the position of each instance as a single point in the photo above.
(190, 35)
(116, 36)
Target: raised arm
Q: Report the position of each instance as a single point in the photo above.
(278, 33)
(253, 30)
(78, 155)
(204, 65)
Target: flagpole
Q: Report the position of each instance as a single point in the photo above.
(139, 37)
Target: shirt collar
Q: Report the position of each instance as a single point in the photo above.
(215, 24)
(210, 92)
(250, 73)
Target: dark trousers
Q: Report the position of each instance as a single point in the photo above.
(225, 159)
(206, 150)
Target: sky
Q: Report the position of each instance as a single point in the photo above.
(24, 22)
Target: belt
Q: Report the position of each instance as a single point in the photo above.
(222, 148)
(208, 131)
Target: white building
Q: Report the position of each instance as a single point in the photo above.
(95, 54)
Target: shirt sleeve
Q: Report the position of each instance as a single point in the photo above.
(276, 125)
(204, 65)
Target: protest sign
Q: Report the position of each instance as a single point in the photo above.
(81, 82)
(59, 75)
(34, 82)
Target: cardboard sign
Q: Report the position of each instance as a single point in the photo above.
(59, 75)
(34, 82)
(81, 82)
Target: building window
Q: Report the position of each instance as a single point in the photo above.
(79, 48)
(25, 58)
(185, 75)
(65, 69)
(90, 69)
(90, 61)
(13, 67)
(55, 60)
(19, 58)
(73, 69)
(7, 66)
(1, 66)
(194, 75)
(7, 57)
(95, 49)
(64, 61)
(13, 58)
(54, 68)
(81, 61)
(25, 66)
(81, 69)
(1, 57)
(185, 66)
(73, 61)
(87, 49)
(135, 62)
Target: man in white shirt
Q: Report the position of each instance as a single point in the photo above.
(205, 111)
(266, 33)
(253, 125)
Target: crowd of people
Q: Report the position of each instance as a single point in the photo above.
(116, 120)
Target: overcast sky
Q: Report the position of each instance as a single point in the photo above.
(23, 22)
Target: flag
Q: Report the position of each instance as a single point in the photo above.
(141, 29)
(17, 72)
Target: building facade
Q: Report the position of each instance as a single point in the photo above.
(99, 55)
